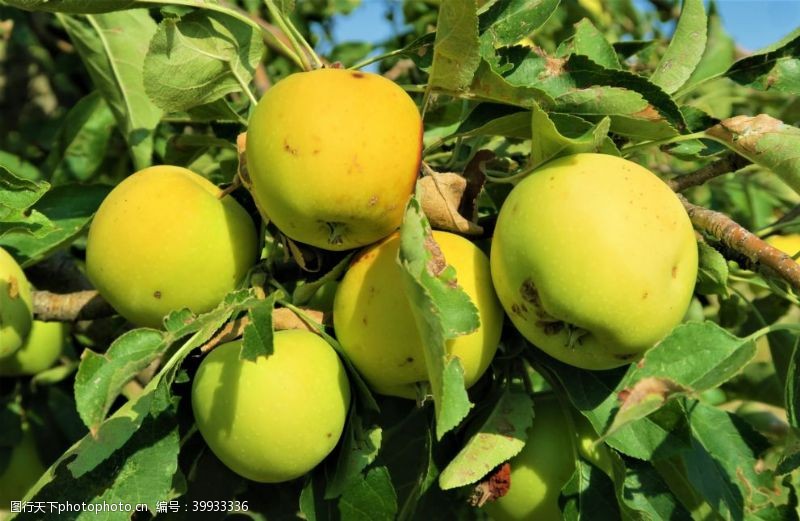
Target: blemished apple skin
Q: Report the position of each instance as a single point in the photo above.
(16, 305)
(163, 240)
(594, 259)
(24, 468)
(333, 156)
(41, 349)
(277, 418)
(374, 323)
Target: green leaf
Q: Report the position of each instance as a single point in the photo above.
(501, 437)
(712, 274)
(508, 21)
(442, 311)
(101, 376)
(113, 47)
(303, 293)
(488, 85)
(258, 334)
(645, 491)
(140, 472)
(719, 55)
(370, 499)
(588, 490)
(693, 358)
(72, 6)
(19, 166)
(722, 466)
(18, 194)
(775, 68)
(358, 450)
(199, 59)
(68, 209)
(455, 51)
(489, 119)
(590, 42)
(685, 50)
(82, 140)
(765, 141)
(548, 143)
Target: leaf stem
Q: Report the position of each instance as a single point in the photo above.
(244, 85)
(659, 142)
(286, 27)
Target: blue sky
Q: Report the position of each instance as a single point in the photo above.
(752, 23)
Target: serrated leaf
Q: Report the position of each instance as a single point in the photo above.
(199, 59)
(719, 55)
(488, 85)
(775, 68)
(370, 499)
(685, 49)
(259, 333)
(68, 210)
(764, 140)
(693, 358)
(113, 46)
(645, 491)
(455, 50)
(501, 437)
(506, 22)
(548, 143)
(712, 273)
(441, 309)
(139, 472)
(17, 194)
(590, 42)
(101, 376)
(359, 448)
(489, 119)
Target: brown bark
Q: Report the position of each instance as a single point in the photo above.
(726, 165)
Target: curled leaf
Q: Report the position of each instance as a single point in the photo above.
(440, 195)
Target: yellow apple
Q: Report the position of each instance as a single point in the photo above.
(16, 305)
(373, 320)
(23, 470)
(333, 156)
(274, 419)
(541, 470)
(594, 260)
(164, 240)
(789, 244)
(41, 349)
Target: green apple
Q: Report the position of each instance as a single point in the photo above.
(164, 239)
(541, 470)
(16, 305)
(23, 470)
(374, 323)
(594, 259)
(333, 155)
(274, 419)
(41, 349)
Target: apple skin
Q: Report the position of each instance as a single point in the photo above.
(163, 240)
(277, 418)
(594, 259)
(789, 244)
(23, 470)
(16, 305)
(541, 469)
(374, 323)
(333, 155)
(41, 349)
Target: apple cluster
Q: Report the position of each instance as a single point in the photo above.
(593, 259)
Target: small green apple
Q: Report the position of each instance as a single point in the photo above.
(16, 305)
(333, 155)
(594, 259)
(374, 323)
(274, 419)
(23, 470)
(163, 239)
(41, 349)
(538, 473)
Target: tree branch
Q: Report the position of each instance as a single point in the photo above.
(739, 239)
(729, 163)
